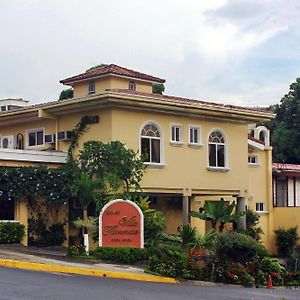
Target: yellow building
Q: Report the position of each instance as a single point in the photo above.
(198, 151)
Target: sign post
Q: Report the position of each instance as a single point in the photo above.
(121, 224)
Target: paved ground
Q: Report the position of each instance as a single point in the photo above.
(58, 256)
(28, 285)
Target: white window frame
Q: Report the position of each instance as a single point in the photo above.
(132, 85)
(175, 142)
(226, 160)
(255, 157)
(199, 136)
(260, 207)
(92, 87)
(162, 161)
(34, 130)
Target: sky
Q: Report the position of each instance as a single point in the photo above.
(243, 52)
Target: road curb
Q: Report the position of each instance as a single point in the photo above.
(83, 271)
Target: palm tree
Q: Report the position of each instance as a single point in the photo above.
(218, 212)
(85, 188)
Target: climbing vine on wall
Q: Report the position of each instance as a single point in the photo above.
(35, 182)
(77, 132)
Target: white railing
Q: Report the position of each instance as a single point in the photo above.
(33, 156)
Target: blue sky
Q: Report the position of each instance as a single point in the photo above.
(242, 52)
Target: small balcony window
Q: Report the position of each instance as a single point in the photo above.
(92, 87)
(132, 85)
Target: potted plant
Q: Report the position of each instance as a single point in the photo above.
(204, 245)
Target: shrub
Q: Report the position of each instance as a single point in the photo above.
(78, 250)
(293, 262)
(173, 263)
(121, 254)
(270, 265)
(154, 223)
(11, 232)
(260, 278)
(40, 236)
(234, 273)
(238, 247)
(291, 279)
(286, 241)
(252, 229)
(247, 280)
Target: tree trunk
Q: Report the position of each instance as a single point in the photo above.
(214, 225)
(222, 225)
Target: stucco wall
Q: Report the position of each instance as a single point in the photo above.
(285, 217)
(186, 166)
(82, 89)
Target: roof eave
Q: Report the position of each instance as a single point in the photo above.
(71, 82)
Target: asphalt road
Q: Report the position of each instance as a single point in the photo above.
(20, 284)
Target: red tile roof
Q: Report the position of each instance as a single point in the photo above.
(286, 167)
(191, 101)
(250, 137)
(111, 70)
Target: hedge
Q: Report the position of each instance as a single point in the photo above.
(11, 233)
(121, 254)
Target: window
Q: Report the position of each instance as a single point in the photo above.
(216, 148)
(194, 135)
(281, 192)
(132, 85)
(7, 209)
(176, 136)
(252, 159)
(92, 87)
(260, 206)
(3, 108)
(35, 137)
(151, 143)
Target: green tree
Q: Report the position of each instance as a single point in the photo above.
(285, 128)
(66, 94)
(85, 189)
(154, 223)
(96, 67)
(286, 240)
(252, 225)
(119, 170)
(218, 212)
(158, 88)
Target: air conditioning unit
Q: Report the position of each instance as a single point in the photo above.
(49, 138)
(64, 135)
(9, 142)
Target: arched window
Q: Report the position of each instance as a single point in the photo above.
(132, 85)
(262, 136)
(151, 143)
(216, 148)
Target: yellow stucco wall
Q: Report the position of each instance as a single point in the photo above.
(190, 169)
(82, 89)
(171, 207)
(21, 215)
(100, 131)
(184, 167)
(47, 125)
(285, 217)
(259, 191)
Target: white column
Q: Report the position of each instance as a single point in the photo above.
(185, 210)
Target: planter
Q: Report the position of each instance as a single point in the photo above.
(199, 256)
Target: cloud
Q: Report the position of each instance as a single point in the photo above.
(205, 49)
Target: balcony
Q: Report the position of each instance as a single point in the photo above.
(33, 156)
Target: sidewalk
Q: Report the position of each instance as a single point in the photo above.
(55, 260)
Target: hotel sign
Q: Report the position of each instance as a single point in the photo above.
(121, 224)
